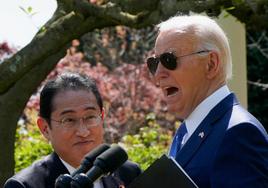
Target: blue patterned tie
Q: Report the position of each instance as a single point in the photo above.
(180, 134)
(176, 144)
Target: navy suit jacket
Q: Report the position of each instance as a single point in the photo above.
(43, 173)
(229, 149)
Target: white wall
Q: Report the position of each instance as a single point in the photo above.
(236, 34)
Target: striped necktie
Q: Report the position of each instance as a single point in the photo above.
(180, 134)
(176, 144)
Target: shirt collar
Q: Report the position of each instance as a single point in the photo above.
(202, 110)
(70, 168)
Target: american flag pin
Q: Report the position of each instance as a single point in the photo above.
(201, 134)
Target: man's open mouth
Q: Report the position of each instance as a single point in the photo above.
(170, 91)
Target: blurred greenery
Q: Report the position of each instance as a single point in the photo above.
(30, 145)
(151, 142)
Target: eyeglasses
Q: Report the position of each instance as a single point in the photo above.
(168, 60)
(72, 122)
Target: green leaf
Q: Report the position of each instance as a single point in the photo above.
(230, 8)
(29, 9)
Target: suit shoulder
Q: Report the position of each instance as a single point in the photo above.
(240, 116)
(28, 176)
(243, 154)
(247, 132)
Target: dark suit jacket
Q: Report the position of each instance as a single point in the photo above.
(43, 173)
(229, 149)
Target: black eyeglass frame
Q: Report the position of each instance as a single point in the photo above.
(168, 60)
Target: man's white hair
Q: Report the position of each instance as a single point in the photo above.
(207, 31)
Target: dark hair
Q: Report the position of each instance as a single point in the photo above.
(64, 82)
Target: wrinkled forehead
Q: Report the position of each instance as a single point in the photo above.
(175, 41)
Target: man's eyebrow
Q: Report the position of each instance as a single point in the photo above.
(72, 111)
(66, 112)
(90, 108)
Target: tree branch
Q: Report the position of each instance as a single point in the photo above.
(44, 44)
(48, 42)
(258, 84)
(12, 104)
(62, 29)
(136, 6)
(109, 11)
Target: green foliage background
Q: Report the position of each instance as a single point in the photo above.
(151, 142)
(30, 145)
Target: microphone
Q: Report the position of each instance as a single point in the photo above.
(107, 162)
(64, 180)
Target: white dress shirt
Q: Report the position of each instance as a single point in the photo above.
(202, 110)
(97, 183)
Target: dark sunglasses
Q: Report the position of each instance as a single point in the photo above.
(168, 60)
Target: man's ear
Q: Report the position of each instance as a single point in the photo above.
(213, 65)
(44, 127)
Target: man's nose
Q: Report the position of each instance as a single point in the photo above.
(160, 73)
(82, 129)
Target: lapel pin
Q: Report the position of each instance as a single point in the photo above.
(201, 134)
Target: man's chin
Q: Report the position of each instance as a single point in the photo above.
(175, 110)
(87, 148)
(172, 108)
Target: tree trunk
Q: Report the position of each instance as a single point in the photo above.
(12, 104)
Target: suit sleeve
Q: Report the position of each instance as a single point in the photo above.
(242, 160)
(13, 183)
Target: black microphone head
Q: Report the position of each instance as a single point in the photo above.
(88, 160)
(63, 181)
(81, 181)
(106, 162)
(111, 159)
(91, 156)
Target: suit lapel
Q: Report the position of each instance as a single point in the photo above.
(204, 129)
(55, 168)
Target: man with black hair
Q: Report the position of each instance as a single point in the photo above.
(71, 119)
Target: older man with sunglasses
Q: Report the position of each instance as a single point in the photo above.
(219, 144)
